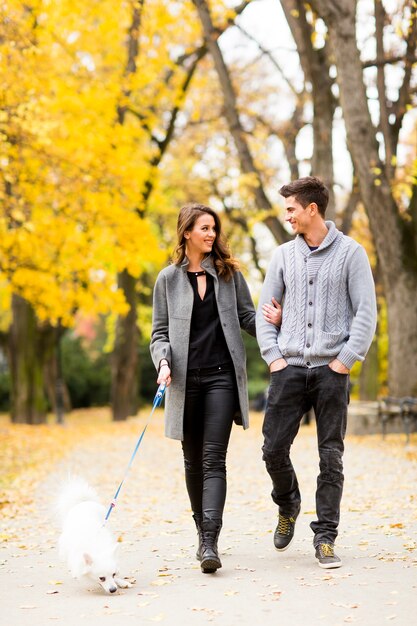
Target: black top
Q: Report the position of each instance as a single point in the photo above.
(207, 346)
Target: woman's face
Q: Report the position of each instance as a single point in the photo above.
(201, 238)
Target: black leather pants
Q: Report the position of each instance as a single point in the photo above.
(210, 404)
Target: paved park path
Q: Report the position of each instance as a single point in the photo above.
(378, 543)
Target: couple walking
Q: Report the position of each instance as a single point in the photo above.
(316, 318)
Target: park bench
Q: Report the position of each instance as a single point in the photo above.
(390, 408)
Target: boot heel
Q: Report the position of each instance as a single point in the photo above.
(210, 565)
(210, 561)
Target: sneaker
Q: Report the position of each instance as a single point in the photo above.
(326, 556)
(284, 532)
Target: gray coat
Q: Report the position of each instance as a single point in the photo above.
(172, 308)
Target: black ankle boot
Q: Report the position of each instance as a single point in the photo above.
(198, 522)
(210, 561)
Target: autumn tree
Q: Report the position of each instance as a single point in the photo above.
(373, 146)
(70, 180)
(236, 129)
(156, 109)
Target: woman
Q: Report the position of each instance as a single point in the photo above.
(200, 304)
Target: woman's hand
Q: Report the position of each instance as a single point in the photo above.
(164, 375)
(272, 312)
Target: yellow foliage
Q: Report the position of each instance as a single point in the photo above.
(74, 170)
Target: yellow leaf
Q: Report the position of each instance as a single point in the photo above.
(17, 215)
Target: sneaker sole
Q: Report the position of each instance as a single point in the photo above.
(286, 547)
(330, 565)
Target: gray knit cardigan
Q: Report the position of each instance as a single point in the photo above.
(173, 299)
(328, 302)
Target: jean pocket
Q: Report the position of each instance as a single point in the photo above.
(275, 375)
(337, 373)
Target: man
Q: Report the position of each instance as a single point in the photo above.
(324, 282)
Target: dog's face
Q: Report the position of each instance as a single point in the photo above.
(102, 570)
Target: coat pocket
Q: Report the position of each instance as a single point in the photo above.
(330, 343)
(288, 344)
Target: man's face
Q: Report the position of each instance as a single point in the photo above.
(298, 216)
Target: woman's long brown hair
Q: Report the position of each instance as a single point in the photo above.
(223, 261)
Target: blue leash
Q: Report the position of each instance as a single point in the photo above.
(156, 402)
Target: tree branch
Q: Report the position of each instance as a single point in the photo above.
(163, 145)
(132, 54)
(238, 218)
(247, 162)
(400, 106)
(271, 57)
(380, 18)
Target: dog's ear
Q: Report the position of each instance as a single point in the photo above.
(87, 559)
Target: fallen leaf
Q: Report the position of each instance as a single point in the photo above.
(158, 583)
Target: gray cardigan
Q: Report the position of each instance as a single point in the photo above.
(172, 308)
(328, 302)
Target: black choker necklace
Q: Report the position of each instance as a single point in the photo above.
(198, 273)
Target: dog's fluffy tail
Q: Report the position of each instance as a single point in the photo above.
(74, 491)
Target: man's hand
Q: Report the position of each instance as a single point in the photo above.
(279, 364)
(337, 366)
(272, 312)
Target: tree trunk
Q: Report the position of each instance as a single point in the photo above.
(26, 356)
(315, 66)
(402, 336)
(125, 355)
(56, 389)
(247, 162)
(393, 235)
(124, 360)
(368, 380)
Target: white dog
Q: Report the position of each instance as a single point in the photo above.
(85, 543)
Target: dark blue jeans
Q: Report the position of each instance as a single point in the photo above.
(293, 391)
(210, 403)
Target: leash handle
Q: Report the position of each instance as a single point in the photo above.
(156, 402)
(159, 395)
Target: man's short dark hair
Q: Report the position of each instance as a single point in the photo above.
(307, 190)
